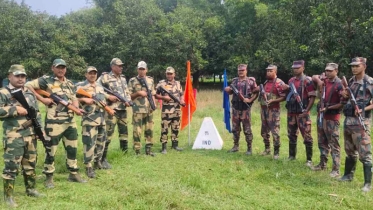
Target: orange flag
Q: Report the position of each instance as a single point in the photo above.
(189, 100)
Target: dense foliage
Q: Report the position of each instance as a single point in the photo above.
(213, 34)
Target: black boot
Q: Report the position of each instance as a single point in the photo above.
(235, 148)
(292, 151)
(148, 151)
(97, 165)
(248, 152)
(350, 166)
(309, 155)
(30, 185)
(49, 181)
(175, 145)
(267, 150)
(276, 152)
(124, 145)
(90, 172)
(367, 177)
(322, 165)
(76, 178)
(8, 193)
(164, 148)
(105, 164)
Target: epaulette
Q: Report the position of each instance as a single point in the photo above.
(103, 73)
(149, 77)
(46, 76)
(162, 81)
(369, 79)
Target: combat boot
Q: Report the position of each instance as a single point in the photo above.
(124, 145)
(322, 165)
(49, 181)
(276, 152)
(350, 166)
(367, 177)
(90, 172)
(8, 193)
(30, 186)
(97, 165)
(76, 178)
(148, 151)
(105, 164)
(267, 151)
(175, 145)
(309, 155)
(248, 152)
(164, 148)
(292, 151)
(235, 148)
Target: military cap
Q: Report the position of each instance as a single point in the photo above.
(170, 70)
(142, 65)
(17, 69)
(271, 66)
(116, 61)
(331, 66)
(357, 61)
(91, 68)
(242, 67)
(297, 64)
(59, 62)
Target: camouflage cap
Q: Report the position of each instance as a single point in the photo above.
(142, 65)
(271, 66)
(242, 67)
(59, 62)
(91, 68)
(170, 70)
(116, 61)
(357, 61)
(17, 69)
(297, 64)
(331, 66)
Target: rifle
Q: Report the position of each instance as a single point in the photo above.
(163, 90)
(293, 91)
(149, 94)
(240, 96)
(31, 115)
(58, 100)
(322, 105)
(263, 94)
(354, 103)
(119, 97)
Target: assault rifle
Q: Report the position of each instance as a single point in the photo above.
(354, 103)
(119, 97)
(322, 106)
(163, 90)
(109, 110)
(31, 115)
(240, 96)
(293, 91)
(58, 100)
(263, 94)
(149, 94)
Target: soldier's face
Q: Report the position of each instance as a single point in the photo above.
(241, 72)
(142, 72)
(170, 76)
(117, 69)
(331, 74)
(298, 71)
(91, 76)
(358, 69)
(17, 81)
(271, 73)
(59, 71)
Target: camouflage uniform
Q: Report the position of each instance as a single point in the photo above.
(170, 111)
(20, 144)
(59, 123)
(306, 89)
(93, 133)
(356, 140)
(241, 113)
(142, 113)
(328, 131)
(271, 115)
(117, 85)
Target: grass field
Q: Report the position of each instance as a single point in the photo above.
(200, 179)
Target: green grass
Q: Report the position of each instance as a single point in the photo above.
(200, 179)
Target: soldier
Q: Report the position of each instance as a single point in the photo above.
(331, 90)
(18, 138)
(60, 122)
(170, 109)
(142, 111)
(298, 111)
(93, 134)
(116, 82)
(357, 138)
(241, 107)
(270, 110)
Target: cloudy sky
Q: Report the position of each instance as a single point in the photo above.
(57, 7)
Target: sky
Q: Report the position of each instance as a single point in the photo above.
(57, 7)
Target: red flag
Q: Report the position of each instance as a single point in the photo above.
(188, 99)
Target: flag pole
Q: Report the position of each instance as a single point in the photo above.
(189, 124)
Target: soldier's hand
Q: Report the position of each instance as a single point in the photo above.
(345, 94)
(80, 112)
(246, 100)
(305, 113)
(284, 87)
(269, 102)
(166, 98)
(89, 101)
(47, 101)
(256, 90)
(227, 89)
(112, 98)
(358, 112)
(21, 111)
(142, 93)
(127, 104)
(323, 109)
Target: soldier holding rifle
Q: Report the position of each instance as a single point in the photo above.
(329, 108)
(357, 124)
(19, 134)
(60, 122)
(171, 92)
(242, 89)
(142, 93)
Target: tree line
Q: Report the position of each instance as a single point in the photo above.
(213, 34)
